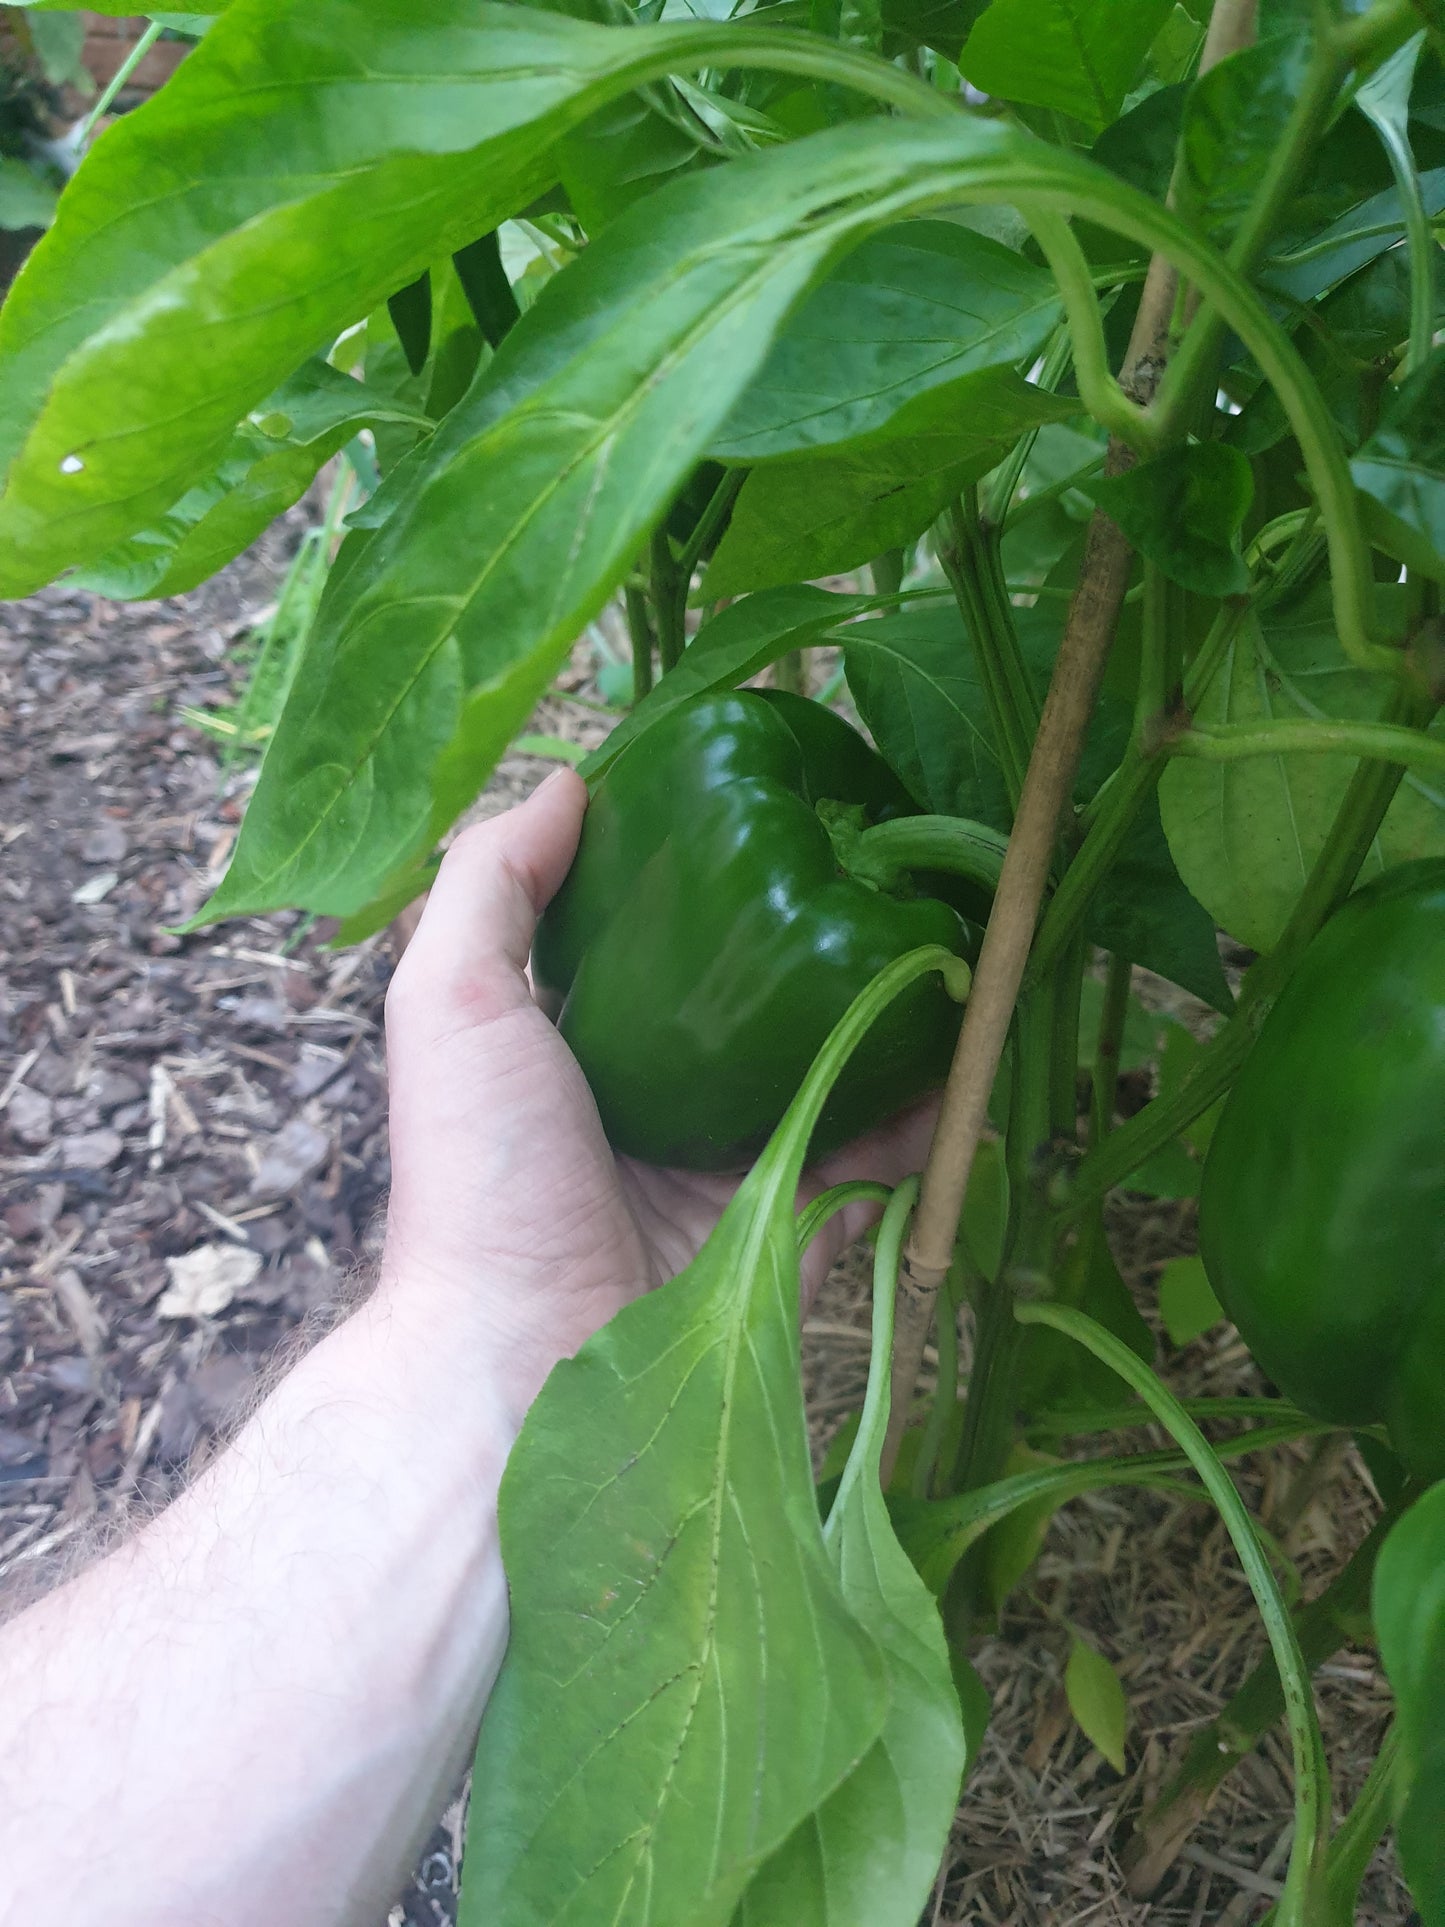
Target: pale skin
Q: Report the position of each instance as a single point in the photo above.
(252, 1712)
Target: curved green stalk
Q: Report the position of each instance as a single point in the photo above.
(887, 852)
(1312, 1782)
(828, 1204)
(117, 80)
(1384, 742)
(729, 44)
(873, 1419)
(1098, 390)
(1384, 101)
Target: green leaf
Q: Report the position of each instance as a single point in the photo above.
(941, 24)
(496, 543)
(628, 149)
(59, 43)
(869, 1856)
(410, 311)
(1409, 1609)
(687, 1680)
(1187, 1303)
(915, 681)
(1183, 511)
(737, 643)
(270, 464)
(1079, 57)
(910, 310)
(324, 155)
(1233, 119)
(1246, 834)
(835, 511)
(1401, 472)
(194, 25)
(27, 199)
(1349, 243)
(1096, 1699)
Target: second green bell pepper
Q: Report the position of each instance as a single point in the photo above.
(1322, 1211)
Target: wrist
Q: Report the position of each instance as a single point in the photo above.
(473, 1342)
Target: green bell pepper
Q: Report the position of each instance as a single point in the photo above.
(708, 936)
(1322, 1211)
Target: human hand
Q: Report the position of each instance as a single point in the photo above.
(507, 1203)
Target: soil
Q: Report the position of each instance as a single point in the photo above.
(193, 1163)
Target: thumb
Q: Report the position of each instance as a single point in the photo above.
(469, 955)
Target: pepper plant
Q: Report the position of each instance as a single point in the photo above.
(1096, 340)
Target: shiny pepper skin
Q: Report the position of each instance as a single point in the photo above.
(1322, 1213)
(707, 940)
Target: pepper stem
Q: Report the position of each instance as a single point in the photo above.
(885, 854)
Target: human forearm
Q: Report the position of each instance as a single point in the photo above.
(259, 1703)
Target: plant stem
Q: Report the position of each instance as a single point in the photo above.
(667, 604)
(1385, 21)
(1105, 398)
(1321, 1627)
(1048, 784)
(1114, 808)
(1004, 481)
(887, 572)
(1383, 742)
(1191, 369)
(1419, 239)
(988, 617)
(1312, 1780)
(790, 672)
(1357, 821)
(117, 80)
(1117, 985)
(1361, 1831)
(945, 1395)
(639, 628)
(710, 525)
(1160, 658)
